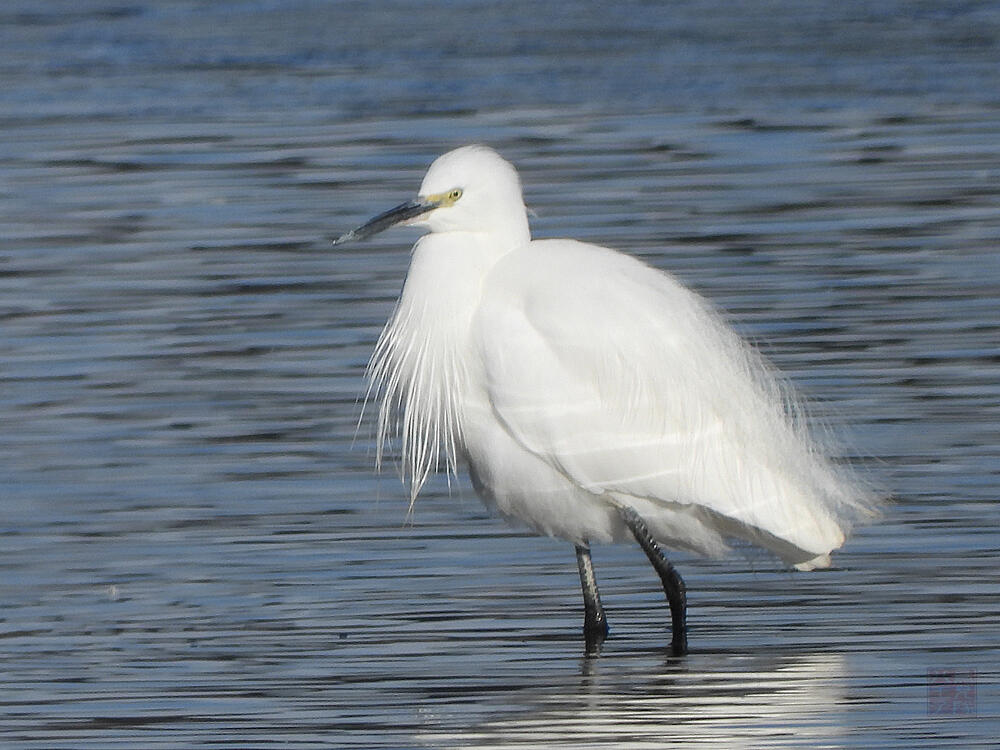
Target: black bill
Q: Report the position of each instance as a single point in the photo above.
(393, 216)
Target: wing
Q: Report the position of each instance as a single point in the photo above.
(629, 384)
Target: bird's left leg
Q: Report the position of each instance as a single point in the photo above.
(595, 623)
(673, 584)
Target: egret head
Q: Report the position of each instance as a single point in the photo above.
(470, 189)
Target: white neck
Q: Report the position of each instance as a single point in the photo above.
(420, 363)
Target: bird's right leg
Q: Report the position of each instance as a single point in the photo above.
(595, 623)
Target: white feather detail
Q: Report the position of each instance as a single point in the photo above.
(416, 385)
(416, 371)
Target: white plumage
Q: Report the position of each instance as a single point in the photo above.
(575, 381)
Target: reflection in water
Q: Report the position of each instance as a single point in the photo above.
(705, 701)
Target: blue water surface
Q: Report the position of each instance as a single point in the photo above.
(195, 550)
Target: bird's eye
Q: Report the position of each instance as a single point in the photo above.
(455, 194)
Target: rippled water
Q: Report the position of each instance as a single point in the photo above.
(194, 548)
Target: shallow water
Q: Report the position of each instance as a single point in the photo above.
(195, 550)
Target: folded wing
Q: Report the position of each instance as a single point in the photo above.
(632, 387)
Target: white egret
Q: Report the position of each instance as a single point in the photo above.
(591, 396)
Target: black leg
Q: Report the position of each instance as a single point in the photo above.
(673, 585)
(595, 623)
